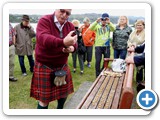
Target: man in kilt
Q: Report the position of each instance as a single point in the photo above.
(54, 41)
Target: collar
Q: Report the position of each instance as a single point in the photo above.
(56, 21)
(118, 26)
(24, 27)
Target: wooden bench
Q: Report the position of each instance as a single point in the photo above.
(110, 91)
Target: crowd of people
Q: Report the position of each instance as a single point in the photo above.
(56, 38)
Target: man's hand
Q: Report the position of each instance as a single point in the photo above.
(70, 49)
(131, 49)
(70, 40)
(98, 20)
(108, 21)
(29, 26)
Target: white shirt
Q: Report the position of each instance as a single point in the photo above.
(60, 27)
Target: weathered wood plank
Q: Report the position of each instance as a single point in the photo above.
(105, 94)
(111, 93)
(116, 99)
(89, 91)
(93, 93)
(99, 93)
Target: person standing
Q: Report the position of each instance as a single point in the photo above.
(54, 41)
(137, 37)
(138, 60)
(11, 53)
(77, 52)
(102, 26)
(120, 38)
(88, 39)
(24, 35)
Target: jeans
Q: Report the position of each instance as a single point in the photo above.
(120, 53)
(99, 51)
(80, 58)
(88, 54)
(22, 65)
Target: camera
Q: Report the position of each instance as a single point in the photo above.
(76, 32)
(103, 19)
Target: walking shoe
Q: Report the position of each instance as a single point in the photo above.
(24, 74)
(13, 79)
(74, 70)
(81, 72)
(89, 65)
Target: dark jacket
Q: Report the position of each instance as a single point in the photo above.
(140, 58)
(120, 37)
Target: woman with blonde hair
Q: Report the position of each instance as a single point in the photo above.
(76, 24)
(137, 37)
(120, 38)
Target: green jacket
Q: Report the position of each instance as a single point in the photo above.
(101, 38)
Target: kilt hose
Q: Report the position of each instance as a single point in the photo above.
(42, 85)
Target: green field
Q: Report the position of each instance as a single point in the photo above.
(19, 92)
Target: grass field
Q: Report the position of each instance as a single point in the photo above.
(19, 92)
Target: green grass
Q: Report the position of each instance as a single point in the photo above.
(19, 92)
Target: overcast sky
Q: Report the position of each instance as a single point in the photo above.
(112, 12)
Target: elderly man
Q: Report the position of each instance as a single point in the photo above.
(102, 26)
(24, 35)
(55, 40)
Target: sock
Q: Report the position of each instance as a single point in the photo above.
(61, 102)
(41, 107)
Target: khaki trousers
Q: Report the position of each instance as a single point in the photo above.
(11, 61)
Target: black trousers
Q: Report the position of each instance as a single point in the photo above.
(88, 54)
(99, 51)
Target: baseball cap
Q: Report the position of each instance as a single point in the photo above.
(105, 15)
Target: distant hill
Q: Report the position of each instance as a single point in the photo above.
(16, 18)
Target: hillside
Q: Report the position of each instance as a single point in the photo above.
(16, 18)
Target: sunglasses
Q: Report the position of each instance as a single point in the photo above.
(64, 11)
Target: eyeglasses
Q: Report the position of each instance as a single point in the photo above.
(64, 11)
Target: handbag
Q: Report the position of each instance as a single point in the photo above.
(81, 47)
(60, 76)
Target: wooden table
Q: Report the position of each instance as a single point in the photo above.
(110, 90)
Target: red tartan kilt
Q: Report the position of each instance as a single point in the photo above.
(43, 88)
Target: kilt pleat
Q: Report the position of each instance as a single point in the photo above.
(42, 85)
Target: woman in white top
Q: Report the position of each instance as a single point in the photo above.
(137, 37)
